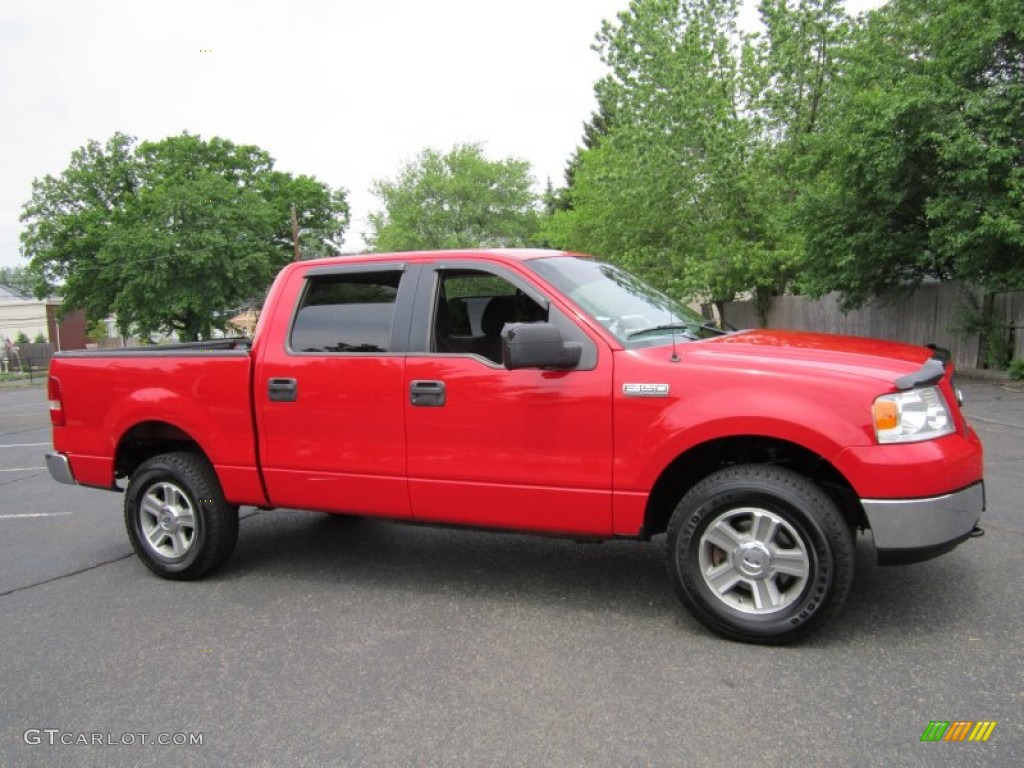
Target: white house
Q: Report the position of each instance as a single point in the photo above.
(32, 317)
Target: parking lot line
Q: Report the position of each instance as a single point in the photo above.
(34, 514)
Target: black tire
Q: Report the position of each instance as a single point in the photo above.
(341, 518)
(759, 554)
(177, 519)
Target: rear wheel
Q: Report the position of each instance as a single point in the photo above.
(177, 519)
(759, 554)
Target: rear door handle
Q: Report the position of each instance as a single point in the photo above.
(283, 390)
(427, 394)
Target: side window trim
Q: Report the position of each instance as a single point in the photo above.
(429, 286)
(401, 319)
(405, 305)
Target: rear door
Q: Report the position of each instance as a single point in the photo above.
(527, 449)
(330, 392)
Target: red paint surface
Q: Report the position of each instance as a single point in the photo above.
(559, 451)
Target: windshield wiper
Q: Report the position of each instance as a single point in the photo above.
(685, 327)
(710, 326)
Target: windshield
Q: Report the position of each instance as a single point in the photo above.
(632, 310)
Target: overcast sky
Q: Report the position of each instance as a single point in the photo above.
(342, 90)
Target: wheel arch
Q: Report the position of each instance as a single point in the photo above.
(701, 460)
(147, 439)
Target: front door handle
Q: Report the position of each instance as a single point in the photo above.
(283, 390)
(427, 394)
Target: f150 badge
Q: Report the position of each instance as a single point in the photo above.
(645, 390)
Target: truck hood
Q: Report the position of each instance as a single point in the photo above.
(831, 354)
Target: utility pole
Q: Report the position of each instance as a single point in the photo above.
(295, 234)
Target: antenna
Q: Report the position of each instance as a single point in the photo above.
(672, 321)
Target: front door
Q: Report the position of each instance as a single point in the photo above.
(526, 449)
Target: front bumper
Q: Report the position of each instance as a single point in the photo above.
(911, 530)
(60, 468)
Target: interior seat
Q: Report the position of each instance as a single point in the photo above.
(499, 311)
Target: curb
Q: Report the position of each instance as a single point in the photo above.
(22, 384)
(983, 373)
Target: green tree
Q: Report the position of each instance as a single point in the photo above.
(167, 235)
(790, 70)
(17, 278)
(691, 168)
(454, 200)
(661, 189)
(920, 166)
(594, 130)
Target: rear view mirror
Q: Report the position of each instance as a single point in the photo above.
(537, 345)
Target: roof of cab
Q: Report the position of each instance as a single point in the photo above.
(500, 254)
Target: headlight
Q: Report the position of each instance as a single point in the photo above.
(912, 416)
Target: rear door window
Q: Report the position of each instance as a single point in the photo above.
(350, 313)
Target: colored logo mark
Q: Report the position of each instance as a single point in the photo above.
(958, 730)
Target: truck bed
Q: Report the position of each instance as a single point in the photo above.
(117, 401)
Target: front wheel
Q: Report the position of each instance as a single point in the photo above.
(759, 554)
(177, 519)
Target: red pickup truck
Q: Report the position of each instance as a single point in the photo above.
(534, 391)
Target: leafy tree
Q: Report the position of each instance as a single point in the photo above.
(17, 278)
(455, 200)
(793, 66)
(920, 167)
(594, 130)
(790, 71)
(166, 235)
(96, 330)
(691, 168)
(822, 154)
(661, 190)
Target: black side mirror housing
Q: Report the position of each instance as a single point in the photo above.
(538, 345)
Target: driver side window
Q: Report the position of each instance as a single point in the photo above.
(471, 309)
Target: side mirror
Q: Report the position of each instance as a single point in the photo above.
(537, 345)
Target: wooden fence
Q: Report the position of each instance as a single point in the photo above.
(1010, 308)
(931, 314)
(30, 358)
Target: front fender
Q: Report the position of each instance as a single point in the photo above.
(651, 433)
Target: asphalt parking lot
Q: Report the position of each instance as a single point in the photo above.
(333, 642)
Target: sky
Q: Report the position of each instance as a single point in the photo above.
(341, 90)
